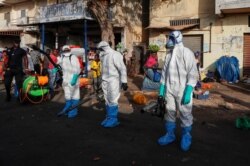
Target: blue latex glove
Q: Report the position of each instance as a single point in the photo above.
(162, 90)
(74, 79)
(54, 70)
(187, 95)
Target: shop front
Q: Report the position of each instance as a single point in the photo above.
(67, 23)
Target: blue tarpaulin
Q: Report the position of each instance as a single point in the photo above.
(228, 68)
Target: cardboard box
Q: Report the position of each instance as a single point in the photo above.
(201, 96)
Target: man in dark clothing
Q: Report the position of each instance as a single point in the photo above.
(16, 59)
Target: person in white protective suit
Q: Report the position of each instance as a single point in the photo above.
(179, 76)
(71, 70)
(114, 77)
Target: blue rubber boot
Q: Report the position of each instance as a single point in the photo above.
(186, 139)
(169, 137)
(112, 120)
(67, 106)
(16, 93)
(73, 113)
(106, 119)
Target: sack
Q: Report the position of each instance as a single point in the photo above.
(83, 82)
(157, 76)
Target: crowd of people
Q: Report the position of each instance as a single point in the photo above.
(19, 61)
(177, 80)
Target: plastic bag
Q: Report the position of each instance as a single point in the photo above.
(157, 76)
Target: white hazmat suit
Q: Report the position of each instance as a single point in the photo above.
(179, 76)
(71, 70)
(114, 75)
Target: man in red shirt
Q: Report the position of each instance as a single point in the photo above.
(52, 71)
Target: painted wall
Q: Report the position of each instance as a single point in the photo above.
(227, 37)
(3, 10)
(15, 11)
(231, 4)
(29, 6)
(15, 18)
(226, 33)
(163, 11)
(128, 14)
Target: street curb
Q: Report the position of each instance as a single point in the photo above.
(247, 104)
(237, 87)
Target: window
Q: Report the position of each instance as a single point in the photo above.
(23, 13)
(185, 22)
(7, 17)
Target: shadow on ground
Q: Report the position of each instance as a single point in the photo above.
(137, 81)
(33, 135)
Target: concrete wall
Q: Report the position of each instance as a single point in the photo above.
(129, 16)
(226, 34)
(3, 10)
(15, 10)
(163, 11)
(51, 2)
(29, 6)
(231, 4)
(15, 18)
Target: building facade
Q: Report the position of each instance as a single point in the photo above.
(13, 13)
(54, 23)
(63, 22)
(212, 27)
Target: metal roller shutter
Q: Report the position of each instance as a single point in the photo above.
(194, 43)
(246, 55)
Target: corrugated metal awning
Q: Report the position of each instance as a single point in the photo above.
(14, 32)
(180, 27)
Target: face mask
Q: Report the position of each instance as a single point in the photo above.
(171, 43)
(101, 54)
(100, 51)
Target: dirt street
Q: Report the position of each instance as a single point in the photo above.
(33, 135)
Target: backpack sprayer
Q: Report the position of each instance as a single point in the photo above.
(99, 95)
(155, 108)
(35, 88)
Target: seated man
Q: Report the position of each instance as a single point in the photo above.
(151, 79)
(152, 61)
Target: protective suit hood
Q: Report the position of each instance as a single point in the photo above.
(174, 39)
(104, 48)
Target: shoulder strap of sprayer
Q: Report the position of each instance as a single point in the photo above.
(69, 57)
